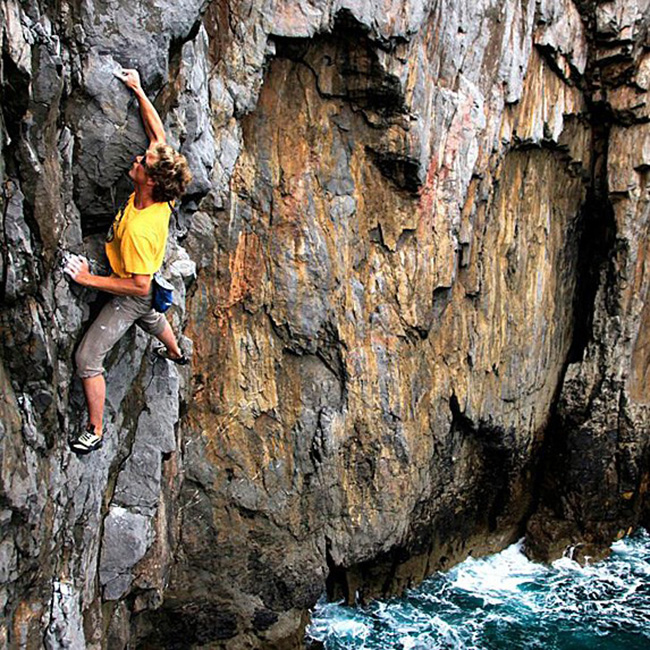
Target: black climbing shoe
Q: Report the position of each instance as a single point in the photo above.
(87, 441)
(162, 353)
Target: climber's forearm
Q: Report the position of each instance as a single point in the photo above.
(78, 269)
(152, 123)
(136, 285)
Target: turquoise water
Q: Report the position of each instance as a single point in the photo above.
(507, 602)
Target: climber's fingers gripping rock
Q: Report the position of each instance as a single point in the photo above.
(130, 77)
(76, 266)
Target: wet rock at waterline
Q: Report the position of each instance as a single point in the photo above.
(413, 268)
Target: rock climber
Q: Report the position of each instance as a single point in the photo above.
(135, 247)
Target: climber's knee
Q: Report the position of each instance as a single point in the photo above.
(88, 364)
(113, 321)
(153, 323)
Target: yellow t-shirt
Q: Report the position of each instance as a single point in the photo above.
(136, 241)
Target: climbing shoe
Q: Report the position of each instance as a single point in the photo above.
(87, 441)
(163, 353)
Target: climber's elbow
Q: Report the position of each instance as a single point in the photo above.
(141, 285)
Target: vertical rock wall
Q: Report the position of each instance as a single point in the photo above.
(597, 467)
(412, 265)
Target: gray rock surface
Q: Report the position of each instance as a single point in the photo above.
(412, 274)
(127, 536)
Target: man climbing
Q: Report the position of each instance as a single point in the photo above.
(135, 247)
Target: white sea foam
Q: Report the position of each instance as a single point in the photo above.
(354, 629)
(506, 601)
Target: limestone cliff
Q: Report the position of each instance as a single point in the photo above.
(413, 266)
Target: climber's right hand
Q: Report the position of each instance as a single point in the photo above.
(77, 267)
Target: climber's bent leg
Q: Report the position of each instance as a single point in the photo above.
(167, 338)
(156, 324)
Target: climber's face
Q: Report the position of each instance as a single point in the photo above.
(139, 172)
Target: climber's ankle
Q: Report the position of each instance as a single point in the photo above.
(96, 427)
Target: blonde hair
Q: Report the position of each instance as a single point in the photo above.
(170, 173)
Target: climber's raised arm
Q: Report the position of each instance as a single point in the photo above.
(152, 123)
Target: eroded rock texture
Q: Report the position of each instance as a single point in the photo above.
(413, 266)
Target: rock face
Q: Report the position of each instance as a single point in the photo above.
(413, 266)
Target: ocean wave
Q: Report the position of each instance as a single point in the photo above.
(506, 601)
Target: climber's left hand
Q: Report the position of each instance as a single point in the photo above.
(131, 78)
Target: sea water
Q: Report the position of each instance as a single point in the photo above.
(507, 602)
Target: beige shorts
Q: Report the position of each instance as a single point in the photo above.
(113, 321)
